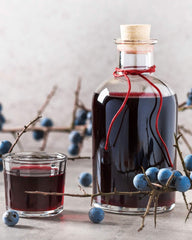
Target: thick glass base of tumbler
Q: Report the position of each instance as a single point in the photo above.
(34, 214)
(132, 211)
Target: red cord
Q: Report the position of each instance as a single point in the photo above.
(120, 73)
(157, 117)
(119, 111)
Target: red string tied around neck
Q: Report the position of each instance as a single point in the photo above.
(124, 73)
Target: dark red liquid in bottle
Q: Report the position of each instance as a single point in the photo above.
(33, 179)
(133, 143)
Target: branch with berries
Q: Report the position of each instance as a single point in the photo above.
(80, 127)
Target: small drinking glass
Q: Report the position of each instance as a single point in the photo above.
(34, 171)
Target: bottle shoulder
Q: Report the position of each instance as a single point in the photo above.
(138, 85)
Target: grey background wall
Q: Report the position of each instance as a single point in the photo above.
(43, 43)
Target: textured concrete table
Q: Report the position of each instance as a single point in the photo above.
(74, 223)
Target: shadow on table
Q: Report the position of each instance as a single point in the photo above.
(71, 216)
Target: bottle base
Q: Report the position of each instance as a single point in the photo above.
(132, 211)
(34, 214)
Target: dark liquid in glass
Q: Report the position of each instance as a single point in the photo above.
(133, 143)
(20, 180)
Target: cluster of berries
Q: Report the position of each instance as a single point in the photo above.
(179, 182)
(82, 118)
(39, 134)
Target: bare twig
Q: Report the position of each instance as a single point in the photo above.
(181, 127)
(156, 198)
(23, 131)
(185, 140)
(147, 179)
(76, 103)
(183, 108)
(189, 211)
(45, 104)
(180, 155)
(86, 195)
(147, 210)
(45, 138)
(182, 104)
(82, 189)
(169, 180)
(18, 143)
(185, 200)
(78, 157)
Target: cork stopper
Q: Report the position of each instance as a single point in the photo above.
(136, 32)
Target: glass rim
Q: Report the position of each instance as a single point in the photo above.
(36, 157)
(136, 42)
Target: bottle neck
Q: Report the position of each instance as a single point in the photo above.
(135, 60)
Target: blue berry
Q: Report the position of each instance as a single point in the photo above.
(188, 162)
(81, 114)
(46, 122)
(85, 179)
(189, 95)
(96, 215)
(5, 146)
(38, 134)
(79, 122)
(73, 149)
(189, 102)
(1, 165)
(1, 107)
(176, 175)
(152, 174)
(2, 118)
(75, 137)
(89, 115)
(88, 130)
(163, 175)
(1, 126)
(140, 182)
(182, 184)
(10, 218)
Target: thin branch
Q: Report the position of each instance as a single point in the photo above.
(185, 200)
(181, 109)
(44, 129)
(181, 127)
(189, 211)
(45, 138)
(155, 209)
(86, 195)
(76, 103)
(23, 131)
(82, 189)
(78, 157)
(185, 140)
(147, 179)
(45, 104)
(180, 155)
(182, 104)
(169, 180)
(18, 143)
(147, 210)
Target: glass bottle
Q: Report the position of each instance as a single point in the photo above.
(133, 140)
